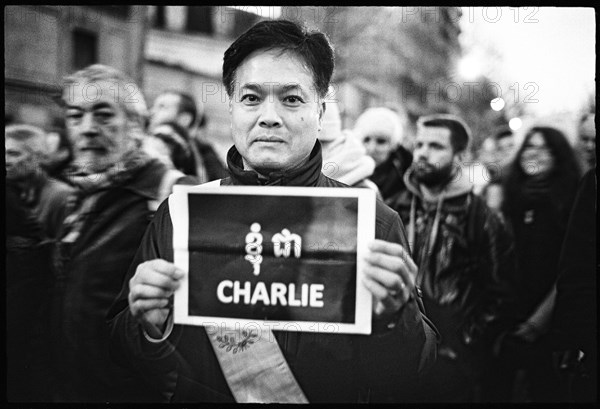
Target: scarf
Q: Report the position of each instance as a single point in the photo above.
(306, 175)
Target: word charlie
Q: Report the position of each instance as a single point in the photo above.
(280, 294)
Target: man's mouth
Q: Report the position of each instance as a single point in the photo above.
(269, 139)
(423, 165)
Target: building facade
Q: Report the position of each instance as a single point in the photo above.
(44, 43)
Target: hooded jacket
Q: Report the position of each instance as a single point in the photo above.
(328, 367)
(466, 262)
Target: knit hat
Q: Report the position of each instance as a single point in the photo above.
(382, 121)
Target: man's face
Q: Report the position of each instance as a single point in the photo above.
(275, 111)
(97, 125)
(164, 109)
(378, 146)
(587, 146)
(433, 155)
(20, 162)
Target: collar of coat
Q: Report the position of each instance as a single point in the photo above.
(306, 175)
(459, 185)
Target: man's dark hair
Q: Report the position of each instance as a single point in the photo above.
(460, 134)
(311, 46)
(186, 103)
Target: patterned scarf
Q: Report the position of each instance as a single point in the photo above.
(89, 189)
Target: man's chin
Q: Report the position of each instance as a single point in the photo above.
(429, 178)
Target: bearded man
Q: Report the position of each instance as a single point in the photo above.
(465, 258)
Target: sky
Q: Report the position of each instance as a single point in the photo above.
(541, 57)
(545, 55)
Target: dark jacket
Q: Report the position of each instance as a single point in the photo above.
(90, 274)
(466, 264)
(28, 277)
(388, 176)
(328, 367)
(539, 222)
(575, 316)
(214, 168)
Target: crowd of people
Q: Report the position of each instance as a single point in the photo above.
(480, 293)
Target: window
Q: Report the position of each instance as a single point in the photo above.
(199, 19)
(115, 11)
(85, 48)
(160, 19)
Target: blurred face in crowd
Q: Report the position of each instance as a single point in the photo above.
(587, 141)
(98, 126)
(164, 109)
(433, 155)
(489, 151)
(378, 147)
(275, 111)
(20, 161)
(505, 147)
(536, 158)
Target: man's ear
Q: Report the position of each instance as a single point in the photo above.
(185, 119)
(459, 156)
(322, 109)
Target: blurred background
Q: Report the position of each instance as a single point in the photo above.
(491, 65)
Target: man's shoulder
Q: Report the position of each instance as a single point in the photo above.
(383, 211)
(55, 187)
(147, 182)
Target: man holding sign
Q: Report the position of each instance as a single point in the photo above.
(276, 75)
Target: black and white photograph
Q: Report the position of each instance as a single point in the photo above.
(300, 204)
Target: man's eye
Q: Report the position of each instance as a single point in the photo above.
(293, 99)
(249, 98)
(74, 115)
(103, 115)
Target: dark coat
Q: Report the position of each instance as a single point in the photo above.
(90, 274)
(328, 367)
(388, 176)
(214, 168)
(575, 314)
(466, 266)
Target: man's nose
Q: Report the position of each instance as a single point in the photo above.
(420, 153)
(88, 125)
(269, 117)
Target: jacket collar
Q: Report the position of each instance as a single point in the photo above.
(459, 185)
(307, 175)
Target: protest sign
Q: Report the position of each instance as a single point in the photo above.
(286, 258)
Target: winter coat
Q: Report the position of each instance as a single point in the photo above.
(466, 265)
(388, 176)
(90, 273)
(328, 367)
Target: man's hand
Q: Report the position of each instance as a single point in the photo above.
(150, 290)
(390, 276)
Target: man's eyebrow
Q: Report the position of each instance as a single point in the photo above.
(291, 87)
(99, 105)
(252, 86)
